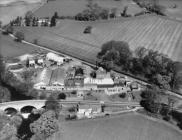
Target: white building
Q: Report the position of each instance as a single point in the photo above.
(55, 57)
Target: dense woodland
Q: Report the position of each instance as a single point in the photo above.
(156, 68)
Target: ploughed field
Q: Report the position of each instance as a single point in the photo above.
(152, 32)
(124, 127)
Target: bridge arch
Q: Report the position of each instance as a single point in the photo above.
(27, 109)
(10, 111)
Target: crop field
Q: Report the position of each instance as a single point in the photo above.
(152, 32)
(10, 48)
(124, 127)
(16, 8)
(72, 7)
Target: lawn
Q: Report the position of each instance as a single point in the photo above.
(72, 7)
(125, 127)
(10, 48)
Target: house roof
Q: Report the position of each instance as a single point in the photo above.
(104, 81)
(55, 57)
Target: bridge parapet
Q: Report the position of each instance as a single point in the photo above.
(18, 105)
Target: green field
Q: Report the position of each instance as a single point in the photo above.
(10, 48)
(124, 127)
(72, 7)
(152, 32)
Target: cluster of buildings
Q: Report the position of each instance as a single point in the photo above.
(74, 78)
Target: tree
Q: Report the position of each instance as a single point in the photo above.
(62, 96)
(19, 36)
(124, 14)
(151, 100)
(8, 132)
(116, 51)
(28, 18)
(53, 21)
(9, 30)
(52, 104)
(46, 125)
(140, 52)
(5, 95)
(56, 15)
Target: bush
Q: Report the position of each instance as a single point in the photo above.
(122, 95)
(87, 30)
(19, 36)
(35, 41)
(62, 96)
(74, 92)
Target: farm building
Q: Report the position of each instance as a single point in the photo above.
(56, 58)
(88, 110)
(100, 83)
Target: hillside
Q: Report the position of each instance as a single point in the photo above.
(152, 32)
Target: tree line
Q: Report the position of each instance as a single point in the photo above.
(155, 107)
(31, 20)
(150, 65)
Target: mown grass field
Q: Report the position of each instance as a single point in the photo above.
(72, 7)
(124, 127)
(152, 32)
(10, 48)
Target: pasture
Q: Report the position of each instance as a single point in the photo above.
(170, 11)
(10, 48)
(124, 127)
(72, 7)
(9, 10)
(152, 32)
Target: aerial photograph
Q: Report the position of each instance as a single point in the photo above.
(90, 69)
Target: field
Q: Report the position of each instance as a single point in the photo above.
(124, 127)
(173, 12)
(72, 7)
(10, 48)
(152, 32)
(11, 9)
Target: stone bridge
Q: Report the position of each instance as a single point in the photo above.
(24, 106)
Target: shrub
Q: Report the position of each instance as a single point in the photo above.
(122, 95)
(74, 92)
(62, 96)
(19, 36)
(87, 30)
